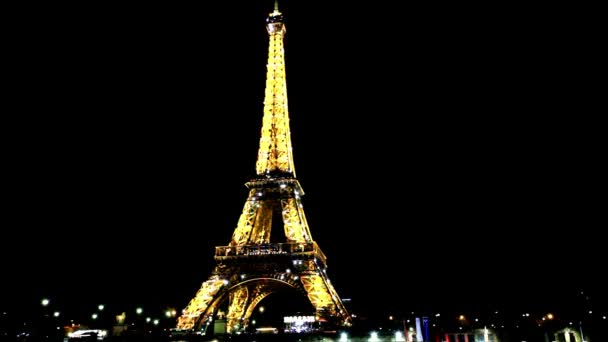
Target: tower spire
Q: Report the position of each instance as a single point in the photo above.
(275, 152)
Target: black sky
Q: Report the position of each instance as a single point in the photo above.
(457, 146)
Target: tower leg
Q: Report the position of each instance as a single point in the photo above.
(323, 297)
(236, 309)
(200, 303)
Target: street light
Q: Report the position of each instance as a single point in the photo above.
(100, 307)
(45, 302)
(139, 311)
(56, 314)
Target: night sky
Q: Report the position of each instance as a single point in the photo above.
(456, 148)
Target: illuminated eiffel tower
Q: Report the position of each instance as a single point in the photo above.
(251, 267)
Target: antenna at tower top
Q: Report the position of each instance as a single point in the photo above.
(276, 5)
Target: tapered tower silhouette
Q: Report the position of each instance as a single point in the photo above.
(252, 267)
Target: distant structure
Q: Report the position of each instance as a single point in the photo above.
(252, 267)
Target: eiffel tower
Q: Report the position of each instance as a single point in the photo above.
(251, 267)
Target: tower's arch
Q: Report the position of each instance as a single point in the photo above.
(243, 298)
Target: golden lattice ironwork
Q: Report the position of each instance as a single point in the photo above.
(252, 266)
(275, 153)
(238, 304)
(199, 304)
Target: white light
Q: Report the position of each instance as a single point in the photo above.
(373, 336)
(253, 322)
(100, 307)
(168, 314)
(225, 281)
(259, 194)
(603, 317)
(155, 322)
(148, 319)
(437, 315)
(261, 309)
(283, 186)
(139, 311)
(590, 312)
(94, 316)
(288, 270)
(56, 314)
(476, 320)
(45, 302)
(242, 276)
(343, 337)
(399, 336)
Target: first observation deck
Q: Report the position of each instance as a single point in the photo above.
(298, 250)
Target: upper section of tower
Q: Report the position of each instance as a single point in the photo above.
(275, 21)
(275, 155)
